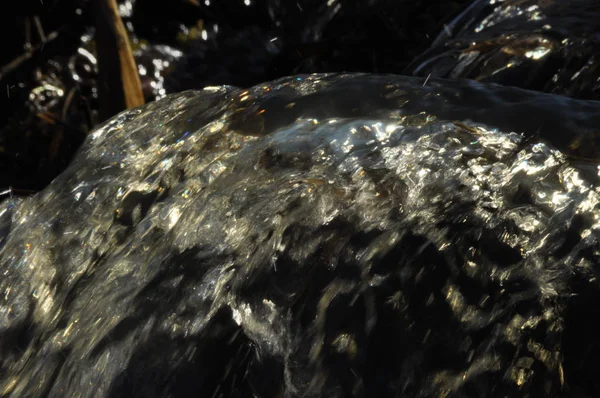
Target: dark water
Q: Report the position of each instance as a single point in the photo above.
(247, 42)
(320, 236)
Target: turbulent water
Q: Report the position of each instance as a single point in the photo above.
(546, 45)
(319, 235)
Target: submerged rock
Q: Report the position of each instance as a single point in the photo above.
(322, 235)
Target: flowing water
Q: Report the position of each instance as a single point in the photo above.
(319, 235)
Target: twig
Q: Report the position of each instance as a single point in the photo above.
(27, 45)
(58, 136)
(119, 83)
(15, 63)
(39, 28)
